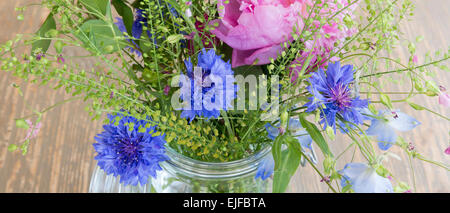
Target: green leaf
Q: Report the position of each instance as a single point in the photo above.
(12, 147)
(49, 24)
(100, 35)
(97, 7)
(248, 70)
(416, 106)
(386, 100)
(126, 13)
(286, 164)
(172, 39)
(22, 124)
(276, 151)
(316, 135)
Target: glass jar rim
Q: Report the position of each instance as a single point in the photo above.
(212, 170)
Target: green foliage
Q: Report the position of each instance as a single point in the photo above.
(22, 124)
(100, 36)
(95, 7)
(126, 13)
(286, 162)
(43, 42)
(316, 135)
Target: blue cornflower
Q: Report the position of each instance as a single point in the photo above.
(201, 87)
(123, 29)
(364, 179)
(139, 22)
(383, 129)
(331, 93)
(132, 154)
(266, 166)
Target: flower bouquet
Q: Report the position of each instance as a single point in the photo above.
(231, 95)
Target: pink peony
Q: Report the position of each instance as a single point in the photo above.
(255, 29)
(447, 151)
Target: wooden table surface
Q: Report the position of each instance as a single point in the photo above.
(60, 159)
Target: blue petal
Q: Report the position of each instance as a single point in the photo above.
(402, 122)
(305, 140)
(296, 128)
(333, 73)
(271, 131)
(347, 74)
(364, 179)
(119, 23)
(386, 136)
(265, 167)
(136, 29)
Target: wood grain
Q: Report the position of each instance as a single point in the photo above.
(60, 159)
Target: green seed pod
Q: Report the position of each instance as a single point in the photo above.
(58, 46)
(284, 118)
(109, 48)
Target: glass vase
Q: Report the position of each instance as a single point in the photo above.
(182, 174)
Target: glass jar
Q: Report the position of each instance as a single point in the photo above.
(183, 174)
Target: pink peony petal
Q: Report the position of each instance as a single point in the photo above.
(256, 28)
(249, 57)
(229, 12)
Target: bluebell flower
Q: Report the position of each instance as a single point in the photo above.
(202, 89)
(384, 129)
(364, 179)
(129, 153)
(331, 94)
(266, 166)
(296, 128)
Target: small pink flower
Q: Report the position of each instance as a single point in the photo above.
(39, 56)
(190, 36)
(166, 90)
(408, 191)
(325, 179)
(324, 40)
(60, 59)
(447, 151)
(282, 130)
(411, 147)
(207, 39)
(444, 98)
(33, 130)
(415, 59)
